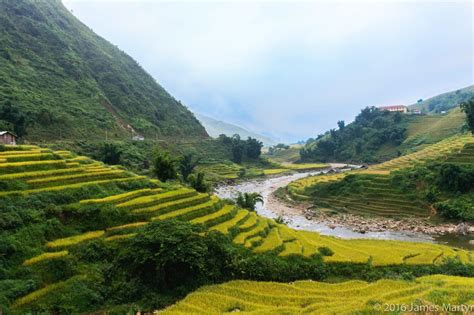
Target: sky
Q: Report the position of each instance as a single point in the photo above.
(291, 69)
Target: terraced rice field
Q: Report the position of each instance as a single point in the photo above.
(311, 297)
(42, 170)
(221, 170)
(440, 151)
(229, 171)
(148, 200)
(375, 194)
(429, 129)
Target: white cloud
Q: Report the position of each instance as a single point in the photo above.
(291, 68)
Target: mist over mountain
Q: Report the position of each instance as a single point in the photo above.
(216, 127)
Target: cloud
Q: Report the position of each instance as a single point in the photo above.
(291, 68)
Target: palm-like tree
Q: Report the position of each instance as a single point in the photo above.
(249, 200)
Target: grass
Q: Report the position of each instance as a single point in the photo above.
(311, 297)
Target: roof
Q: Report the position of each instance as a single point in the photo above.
(392, 106)
(5, 132)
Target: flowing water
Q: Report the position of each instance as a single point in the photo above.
(297, 220)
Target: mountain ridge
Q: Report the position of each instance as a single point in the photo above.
(215, 127)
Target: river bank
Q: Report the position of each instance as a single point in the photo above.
(363, 225)
(300, 216)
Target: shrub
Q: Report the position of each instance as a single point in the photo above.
(325, 251)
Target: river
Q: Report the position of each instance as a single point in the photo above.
(296, 220)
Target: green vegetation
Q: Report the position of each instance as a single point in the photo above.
(282, 154)
(438, 178)
(110, 241)
(187, 164)
(424, 130)
(62, 81)
(164, 166)
(468, 108)
(445, 101)
(377, 136)
(358, 141)
(12, 119)
(248, 200)
(242, 150)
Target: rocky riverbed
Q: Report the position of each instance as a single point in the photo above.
(301, 216)
(363, 225)
(367, 224)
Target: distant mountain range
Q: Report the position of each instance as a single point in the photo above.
(216, 127)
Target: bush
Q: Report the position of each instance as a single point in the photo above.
(164, 166)
(174, 257)
(325, 251)
(457, 208)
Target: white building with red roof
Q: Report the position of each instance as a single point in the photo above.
(394, 108)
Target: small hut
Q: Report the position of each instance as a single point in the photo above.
(7, 137)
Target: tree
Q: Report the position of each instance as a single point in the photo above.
(248, 200)
(468, 108)
(341, 124)
(253, 148)
(164, 166)
(452, 177)
(187, 164)
(397, 117)
(170, 254)
(16, 118)
(198, 182)
(237, 153)
(110, 153)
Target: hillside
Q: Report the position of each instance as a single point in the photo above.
(66, 82)
(377, 136)
(80, 236)
(435, 181)
(310, 297)
(445, 101)
(216, 127)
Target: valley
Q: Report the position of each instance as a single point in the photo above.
(117, 198)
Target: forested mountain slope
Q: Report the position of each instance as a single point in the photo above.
(80, 236)
(445, 101)
(377, 136)
(62, 81)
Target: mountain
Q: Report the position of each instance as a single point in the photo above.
(216, 127)
(445, 101)
(65, 82)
